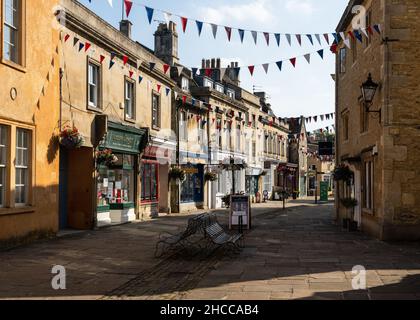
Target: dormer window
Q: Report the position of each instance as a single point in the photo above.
(185, 84)
(230, 93)
(207, 83)
(219, 88)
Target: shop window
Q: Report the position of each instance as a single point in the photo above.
(94, 87)
(116, 184)
(150, 181)
(3, 163)
(192, 186)
(22, 167)
(13, 30)
(130, 101)
(155, 111)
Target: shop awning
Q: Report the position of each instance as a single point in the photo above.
(125, 139)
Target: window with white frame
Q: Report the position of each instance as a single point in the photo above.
(219, 88)
(207, 83)
(231, 94)
(22, 167)
(129, 100)
(3, 163)
(156, 111)
(185, 84)
(11, 29)
(93, 85)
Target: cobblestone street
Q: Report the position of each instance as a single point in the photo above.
(294, 254)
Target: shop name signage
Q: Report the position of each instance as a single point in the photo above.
(191, 170)
(123, 141)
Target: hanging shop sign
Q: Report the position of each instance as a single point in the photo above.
(125, 139)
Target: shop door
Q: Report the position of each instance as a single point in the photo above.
(199, 185)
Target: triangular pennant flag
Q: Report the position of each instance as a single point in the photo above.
(321, 53)
(358, 35)
(277, 36)
(87, 46)
(184, 22)
(299, 39)
(308, 57)
(166, 68)
(289, 39)
(241, 34)
(66, 38)
(75, 41)
(194, 71)
(251, 70)
(81, 46)
(176, 95)
(180, 68)
(109, 1)
(351, 34)
(184, 99)
(310, 39)
(140, 79)
(293, 61)
(265, 67)
(255, 36)
(327, 38)
(111, 64)
(168, 91)
(318, 38)
(279, 64)
(131, 73)
(365, 33)
(377, 28)
(347, 42)
(128, 5)
(152, 65)
(336, 37)
(228, 32)
(149, 12)
(199, 27)
(167, 17)
(334, 48)
(125, 60)
(101, 59)
(370, 30)
(214, 29)
(159, 86)
(267, 38)
(316, 118)
(322, 118)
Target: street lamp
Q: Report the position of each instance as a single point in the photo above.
(368, 89)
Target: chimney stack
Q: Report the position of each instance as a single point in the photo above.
(125, 28)
(166, 43)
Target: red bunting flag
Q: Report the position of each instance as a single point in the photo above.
(87, 46)
(184, 22)
(334, 48)
(125, 60)
(131, 73)
(159, 87)
(351, 34)
(251, 70)
(101, 59)
(293, 61)
(66, 38)
(128, 6)
(228, 32)
(370, 31)
(184, 99)
(166, 68)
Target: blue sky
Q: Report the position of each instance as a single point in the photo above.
(305, 90)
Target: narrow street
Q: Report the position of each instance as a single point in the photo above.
(294, 254)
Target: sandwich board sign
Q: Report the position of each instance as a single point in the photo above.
(240, 208)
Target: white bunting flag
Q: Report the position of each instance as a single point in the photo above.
(214, 29)
(289, 39)
(167, 17)
(365, 32)
(180, 70)
(318, 38)
(110, 3)
(255, 36)
(308, 57)
(265, 66)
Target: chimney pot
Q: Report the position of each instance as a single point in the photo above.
(218, 63)
(213, 63)
(125, 28)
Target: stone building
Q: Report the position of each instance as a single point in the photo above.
(379, 142)
(118, 94)
(29, 119)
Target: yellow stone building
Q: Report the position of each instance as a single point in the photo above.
(29, 119)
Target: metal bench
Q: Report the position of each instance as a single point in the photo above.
(170, 242)
(217, 236)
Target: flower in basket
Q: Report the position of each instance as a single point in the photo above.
(177, 174)
(106, 157)
(210, 176)
(70, 137)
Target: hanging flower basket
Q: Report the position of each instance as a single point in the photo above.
(177, 174)
(349, 203)
(71, 138)
(210, 176)
(106, 157)
(343, 173)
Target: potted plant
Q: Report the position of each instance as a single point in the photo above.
(349, 204)
(177, 173)
(106, 157)
(71, 138)
(210, 176)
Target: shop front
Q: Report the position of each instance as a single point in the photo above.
(117, 174)
(192, 188)
(253, 182)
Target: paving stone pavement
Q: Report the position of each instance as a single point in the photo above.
(294, 254)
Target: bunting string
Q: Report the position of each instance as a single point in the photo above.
(328, 37)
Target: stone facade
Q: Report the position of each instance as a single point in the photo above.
(29, 101)
(390, 142)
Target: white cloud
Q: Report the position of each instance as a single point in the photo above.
(258, 11)
(300, 6)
